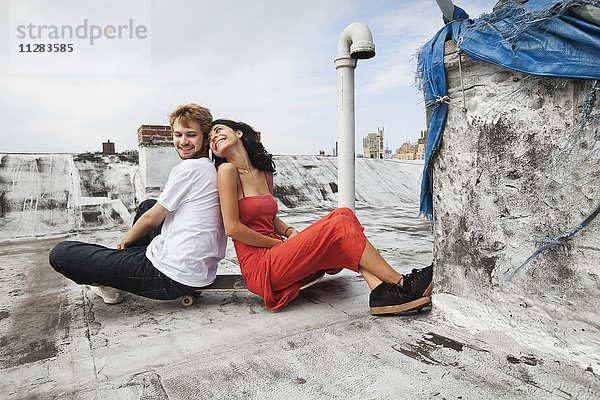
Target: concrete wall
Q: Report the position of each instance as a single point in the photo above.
(156, 159)
(47, 194)
(156, 163)
(311, 181)
(52, 194)
(518, 168)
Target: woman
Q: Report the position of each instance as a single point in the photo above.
(276, 259)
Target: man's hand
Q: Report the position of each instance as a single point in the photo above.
(149, 220)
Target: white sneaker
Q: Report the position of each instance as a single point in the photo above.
(108, 294)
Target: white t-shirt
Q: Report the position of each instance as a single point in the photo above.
(192, 240)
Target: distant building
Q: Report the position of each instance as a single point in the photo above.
(401, 154)
(373, 145)
(421, 146)
(387, 152)
(108, 147)
(413, 151)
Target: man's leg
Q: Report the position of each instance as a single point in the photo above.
(127, 269)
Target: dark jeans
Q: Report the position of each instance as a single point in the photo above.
(127, 269)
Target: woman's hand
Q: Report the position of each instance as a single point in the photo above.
(292, 232)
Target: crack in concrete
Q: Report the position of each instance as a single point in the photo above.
(88, 332)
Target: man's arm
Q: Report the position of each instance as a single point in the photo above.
(149, 220)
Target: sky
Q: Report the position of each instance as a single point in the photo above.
(268, 63)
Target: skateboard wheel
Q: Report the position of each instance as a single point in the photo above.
(187, 300)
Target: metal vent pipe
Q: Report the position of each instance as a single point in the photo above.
(447, 8)
(356, 42)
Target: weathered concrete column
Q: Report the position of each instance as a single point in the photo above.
(518, 168)
(156, 159)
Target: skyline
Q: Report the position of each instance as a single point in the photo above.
(268, 63)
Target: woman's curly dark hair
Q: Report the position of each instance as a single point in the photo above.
(259, 157)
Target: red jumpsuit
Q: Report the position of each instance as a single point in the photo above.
(336, 241)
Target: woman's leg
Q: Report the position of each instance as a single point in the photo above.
(371, 264)
(330, 244)
(387, 294)
(376, 268)
(371, 279)
(337, 241)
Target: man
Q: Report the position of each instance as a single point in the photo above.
(161, 262)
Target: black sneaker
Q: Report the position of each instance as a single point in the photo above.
(419, 282)
(388, 298)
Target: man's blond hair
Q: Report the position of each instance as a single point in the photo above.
(192, 112)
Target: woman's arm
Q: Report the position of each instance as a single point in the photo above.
(281, 227)
(284, 229)
(228, 195)
(149, 220)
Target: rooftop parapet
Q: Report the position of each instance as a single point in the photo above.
(155, 135)
(156, 159)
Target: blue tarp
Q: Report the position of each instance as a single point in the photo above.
(537, 37)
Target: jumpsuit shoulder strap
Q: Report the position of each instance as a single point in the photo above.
(268, 185)
(241, 184)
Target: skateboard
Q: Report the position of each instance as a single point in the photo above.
(223, 283)
(236, 283)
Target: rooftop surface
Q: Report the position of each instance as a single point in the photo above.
(61, 341)
(58, 340)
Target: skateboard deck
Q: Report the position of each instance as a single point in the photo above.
(222, 283)
(236, 283)
(225, 283)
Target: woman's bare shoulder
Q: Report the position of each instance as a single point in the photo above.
(226, 169)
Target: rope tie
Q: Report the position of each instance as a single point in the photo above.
(442, 99)
(455, 20)
(446, 99)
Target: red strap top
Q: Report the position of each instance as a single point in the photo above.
(258, 212)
